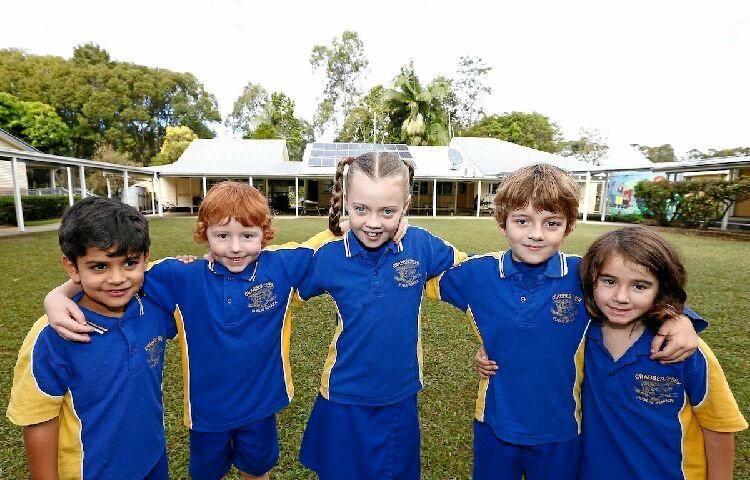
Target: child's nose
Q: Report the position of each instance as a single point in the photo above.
(116, 275)
(621, 295)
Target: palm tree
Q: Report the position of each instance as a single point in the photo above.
(419, 112)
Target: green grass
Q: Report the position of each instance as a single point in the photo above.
(718, 288)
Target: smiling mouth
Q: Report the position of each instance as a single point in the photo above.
(235, 259)
(373, 235)
(534, 248)
(117, 293)
(619, 311)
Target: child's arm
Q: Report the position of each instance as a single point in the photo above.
(40, 441)
(719, 454)
(680, 335)
(63, 314)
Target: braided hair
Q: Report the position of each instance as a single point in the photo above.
(375, 165)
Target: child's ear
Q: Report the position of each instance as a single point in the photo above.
(72, 269)
(146, 255)
(502, 230)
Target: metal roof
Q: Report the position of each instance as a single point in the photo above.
(229, 157)
(704, 164)
(17, 142)
(495, 157)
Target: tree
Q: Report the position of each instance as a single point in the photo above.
(344, 61)
(369, 121)
(249, 109)
(468, 89)
(90, 54)
(663, 153)
(589, 148)
(35, 123)
(417, 112)
(532, 130)
(726, 152)
(258, 116)
(176, 141)
(103, 101)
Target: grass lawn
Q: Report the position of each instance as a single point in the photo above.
(718, 288)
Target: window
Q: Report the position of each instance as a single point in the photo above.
(419, 188)
(445, 188)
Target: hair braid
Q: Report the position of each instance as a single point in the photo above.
(410, 166)
(337, 196)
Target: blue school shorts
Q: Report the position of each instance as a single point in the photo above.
(495, 459)
(345, 442)
(160, 470)
(252, 448)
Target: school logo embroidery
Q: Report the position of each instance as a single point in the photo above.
(407, 272)
(154, 348)
(262, 297)
(566, 307)
(656, 389)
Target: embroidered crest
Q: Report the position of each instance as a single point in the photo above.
(154, 348)
(566, 307)
(262, 297)
(407, 272)
(656, 389)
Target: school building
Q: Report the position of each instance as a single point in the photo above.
(457, 179)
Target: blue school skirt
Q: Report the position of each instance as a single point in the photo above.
(343, 442)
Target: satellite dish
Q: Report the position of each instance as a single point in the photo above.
(455, 157)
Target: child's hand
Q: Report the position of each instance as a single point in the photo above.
(66, 318)
(681, 340)
(186, 258)
(484, 366)
(403, 225)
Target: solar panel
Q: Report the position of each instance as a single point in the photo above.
(318, 145)
(390, 147)
(401, 147)
(404, 155)
(314, 162)
(330, 153)
(329, 162)
(316, 153)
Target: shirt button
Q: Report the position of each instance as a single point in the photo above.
(523, 299)
(229, 300)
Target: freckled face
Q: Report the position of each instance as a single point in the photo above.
(234, 245)
(375, 207)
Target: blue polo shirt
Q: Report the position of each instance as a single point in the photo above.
(534, 333)
(375, 357)
(645, 418)
(234, 333)
(106, 393)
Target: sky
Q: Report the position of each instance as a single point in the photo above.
(646, 72)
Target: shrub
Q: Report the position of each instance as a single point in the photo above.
(34, 207)
(692, 203)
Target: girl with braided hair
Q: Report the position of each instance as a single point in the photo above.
(364, 424)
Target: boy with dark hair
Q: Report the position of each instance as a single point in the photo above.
(526, 305)
(77, 403)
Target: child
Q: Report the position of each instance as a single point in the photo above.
(77, 403)
(234, 323)
(642, 419)
(526, 305)
(364, 424)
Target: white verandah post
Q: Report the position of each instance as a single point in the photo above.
(190, 189)
(479, 197)
(109, 185)
(434, 198)
(153, 194)
(605, 198)
(17, 195)
(296, 196)
(82, 177)
(52, 181)
(159, 201)
(70, 186)
(204, 187)
(586, 196)
(125, 186)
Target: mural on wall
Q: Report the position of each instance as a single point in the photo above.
(621, 191)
